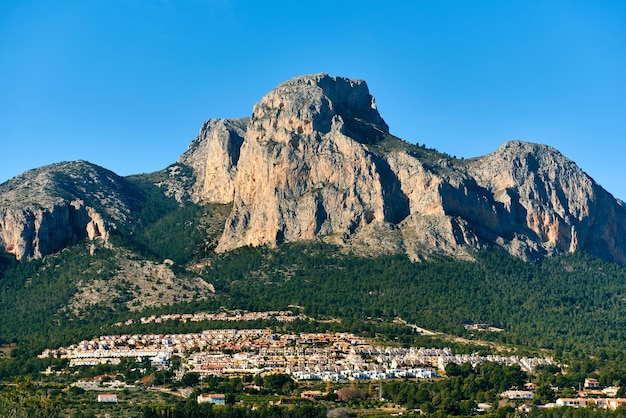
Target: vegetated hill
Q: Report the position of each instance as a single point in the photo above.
(571, 302)
(169, 225)
(568, 302)
(72, 293)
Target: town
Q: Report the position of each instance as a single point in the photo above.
(305, 356)
(341, 358)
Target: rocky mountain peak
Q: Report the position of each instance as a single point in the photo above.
(316, 161)
(516, 160)
(304, 169)
(312, 104)
(546, 204)
(62, 181)
(44, 209)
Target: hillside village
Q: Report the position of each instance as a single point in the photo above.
(305, 356)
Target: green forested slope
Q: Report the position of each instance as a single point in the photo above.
(566, 303)
(572, 303)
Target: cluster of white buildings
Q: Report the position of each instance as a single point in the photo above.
(373, 374)
(336, 359)
(592, 396)
(527, 364)
(307, 356)
(440, 357)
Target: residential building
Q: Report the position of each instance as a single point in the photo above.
(214, 398)
(107, 398)
(517, 394)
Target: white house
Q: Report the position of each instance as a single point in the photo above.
(214, 398)
(107, 398)
(517, 394)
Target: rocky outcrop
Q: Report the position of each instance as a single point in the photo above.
(45, 209)
(543, 199)
(34, 231)
(214, 155)
(302, 171)
(316, 161)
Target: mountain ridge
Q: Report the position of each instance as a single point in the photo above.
(316, 161)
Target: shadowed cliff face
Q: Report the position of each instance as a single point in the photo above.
(316, 161)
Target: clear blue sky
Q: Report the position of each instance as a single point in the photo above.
(126, 84)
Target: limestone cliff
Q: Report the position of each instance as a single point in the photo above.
(302, 173)
(546, 204)
(317, 160)
(43, 210)
(214, 155)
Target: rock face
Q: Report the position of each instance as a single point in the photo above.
(316, 161)
(43, 210)
(300, 174)
(546, 204)
(214, 155)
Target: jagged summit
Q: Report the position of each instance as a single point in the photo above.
(312, 103)
(315, 160)
(304, 169)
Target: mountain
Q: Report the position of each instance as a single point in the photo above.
(44, 209)
(317, 161)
